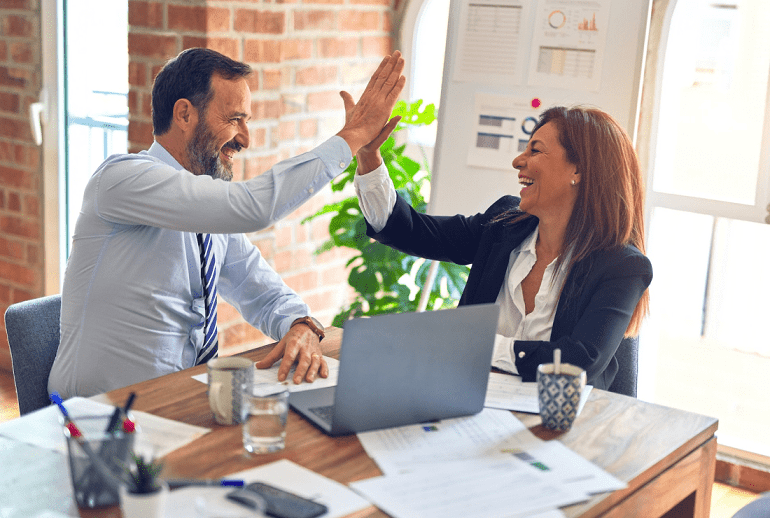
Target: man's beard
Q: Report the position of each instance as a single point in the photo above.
(203, 155)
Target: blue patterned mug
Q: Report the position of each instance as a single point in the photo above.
(559, 394)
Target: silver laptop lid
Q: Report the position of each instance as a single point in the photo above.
(413, 367)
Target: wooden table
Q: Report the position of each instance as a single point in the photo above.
(666, 456)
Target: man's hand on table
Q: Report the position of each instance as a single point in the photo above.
(300, 345)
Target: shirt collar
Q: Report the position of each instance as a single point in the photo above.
(158, 151)
(528, 245)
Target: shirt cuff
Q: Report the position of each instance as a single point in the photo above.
(376, 196)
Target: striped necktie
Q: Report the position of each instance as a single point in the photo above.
(208, 275)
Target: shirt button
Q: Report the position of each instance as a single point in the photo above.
(342, 165)
(522, 354)
(311, 190)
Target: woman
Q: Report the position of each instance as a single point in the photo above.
(565, 261)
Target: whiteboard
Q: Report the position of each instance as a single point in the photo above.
(507, 61)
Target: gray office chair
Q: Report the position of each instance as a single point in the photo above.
(759, 508)
(628, 372)
(33, 336)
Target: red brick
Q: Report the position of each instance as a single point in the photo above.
(33, 254)
(15, 128)
(268, 109)
(137, 74)
(140, 133)
(19, 26)
(31, 205)
(258, 138)
(21, 52)
(12, 177)
(318, 75)
(14, 202)
(359, 20)
(334, 275)
(284, 236)
(319, 101)
(226, 312)
(303, 281)
(152, 45)
(293, 103)
(296, 49)
(145, 14)
(239, 333)
(146, 105)
(314, 21)
(15, 4)
(261, 51)
(308, 128)
(260, 22)
(3, 50)
(337, 47)
(20, 227)
(198, 19)
(376, 45)
(22, 295)
(271, 79)
(323, 1)
(370, 2)
(13, 249)
(12, 77)
(287, 130)
(287, 261)
(9, 102)
(226, 46)
(387, 22)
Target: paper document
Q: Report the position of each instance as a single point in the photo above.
(271, 376)
(478, 489)
(284, 474)
(508, 392)
(42, 428)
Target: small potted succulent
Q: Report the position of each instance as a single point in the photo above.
(144, 494)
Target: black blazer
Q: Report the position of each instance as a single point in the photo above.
(599, 296)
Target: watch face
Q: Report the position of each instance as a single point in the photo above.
(317, 324)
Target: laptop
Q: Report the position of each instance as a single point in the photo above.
(406, 368)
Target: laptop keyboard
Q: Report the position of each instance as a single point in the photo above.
(324, 412)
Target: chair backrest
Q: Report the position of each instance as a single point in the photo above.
(759, 508)
(628, 371)
(33, 336)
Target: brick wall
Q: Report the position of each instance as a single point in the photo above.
(21, 177)
(303, 52)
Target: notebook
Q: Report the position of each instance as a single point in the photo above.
(404, 369)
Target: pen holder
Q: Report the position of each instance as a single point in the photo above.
(97, 460)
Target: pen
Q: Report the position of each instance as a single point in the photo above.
(128, 425)
(121, 411)
(184, 482)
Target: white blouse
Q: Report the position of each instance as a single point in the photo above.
(377, 197)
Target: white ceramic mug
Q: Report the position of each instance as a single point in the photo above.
(226, 379)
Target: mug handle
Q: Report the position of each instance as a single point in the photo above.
(214, 390)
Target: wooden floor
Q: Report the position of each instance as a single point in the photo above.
(725, 500)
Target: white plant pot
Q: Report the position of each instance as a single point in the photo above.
(148, 505)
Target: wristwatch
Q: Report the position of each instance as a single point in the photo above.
(313, 324)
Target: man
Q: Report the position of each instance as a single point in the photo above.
(159, 234)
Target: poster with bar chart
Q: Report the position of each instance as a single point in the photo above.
(569, 43)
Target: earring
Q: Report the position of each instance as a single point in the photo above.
(573, 182)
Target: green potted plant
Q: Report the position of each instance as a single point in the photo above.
(386, 280)
(144, 494)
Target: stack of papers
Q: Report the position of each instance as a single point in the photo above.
(271, 376)
(484, 465)
(42, 428)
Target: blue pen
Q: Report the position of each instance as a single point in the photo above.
(184, 482)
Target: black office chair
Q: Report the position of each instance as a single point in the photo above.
(625, 381)
(759, 508)
(33, 337)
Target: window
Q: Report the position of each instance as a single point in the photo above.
(705, 347)
(425, 31)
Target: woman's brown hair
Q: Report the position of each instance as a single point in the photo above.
(609, 210)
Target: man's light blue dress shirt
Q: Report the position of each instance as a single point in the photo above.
(132, 300)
